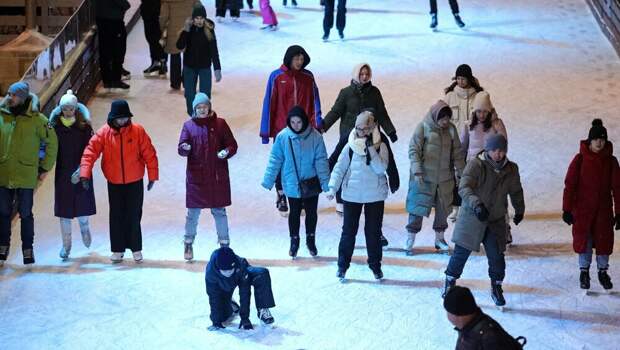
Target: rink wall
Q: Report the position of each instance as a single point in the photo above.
(607, 13)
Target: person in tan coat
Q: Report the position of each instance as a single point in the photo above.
(172, 18)
(460, 95)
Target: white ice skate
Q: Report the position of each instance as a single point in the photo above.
(116, 257)
(266, 319)
(86, 237)
(137, 256)
(409, 244)
(339, 209)
(66, 245)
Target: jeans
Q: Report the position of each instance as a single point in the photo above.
(309, 205)
(328, 18)
(65, 224)
(585, 259)
(221, 224)
(495, 257)
(373, 213)
(190, 79)
(454, 6)
(24, 198)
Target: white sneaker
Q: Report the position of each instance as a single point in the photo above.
(137, 256)
(116, 257)
(410, 242)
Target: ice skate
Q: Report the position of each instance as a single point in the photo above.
(64, 253)
(294, 3)
(137, 256)
(325, 38)
(265, 317)
(28, 256)
(282, 205)
(409, 244)
(219, 19)
(341, 275)
(605, 280)
(376, 271)
(440, 243)
(384, 242)
(152, 70)
(86, 237)
(434, 22)
(66, 245)
(292, 252)
(125, 74)
(449, 282)
(163, 69)
(223, 242)
(116, 257)
(454, 214)
(458, 20)
(311, 244)
(339, 209)
(497, 294)
(4, 254)
(188, 251)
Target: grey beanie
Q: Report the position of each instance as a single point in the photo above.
(497, 141)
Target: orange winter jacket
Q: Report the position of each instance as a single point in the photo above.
(125, 154)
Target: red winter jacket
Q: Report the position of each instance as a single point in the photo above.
(591, 182)
(125, 154)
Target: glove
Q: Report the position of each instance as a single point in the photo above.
(481, 212)
(150, 185)
(218, 75)
(222, 154)
(75, 177)
(85, 183)
(216, 327)
(617, 222)
(188, 24)
(517, 219)
(567, 216)
(186, 146)
(393, 137)
(245, 324)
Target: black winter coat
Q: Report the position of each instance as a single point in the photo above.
(111, 9)
(200, 52)
(220, 289)
(484, 333)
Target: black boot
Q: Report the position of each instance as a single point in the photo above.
(28, 256)
(604, 279)
(311, 244)
(384, 241)
(584, 279)
(376, 271)
(292, 252)
(447, 285)
(4, 252)
(433, 21)
(497, 293)
(152, 69)
(458, 20)
(163, 68)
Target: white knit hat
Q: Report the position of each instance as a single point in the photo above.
(68, 99)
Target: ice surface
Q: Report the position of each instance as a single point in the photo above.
(548, 69)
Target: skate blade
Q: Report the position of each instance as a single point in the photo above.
(284, 214)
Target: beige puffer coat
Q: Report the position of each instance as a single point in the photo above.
(173, 14)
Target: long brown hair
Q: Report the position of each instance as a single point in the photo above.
(472, 83)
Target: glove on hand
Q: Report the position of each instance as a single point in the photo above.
(567, 216)
(517, 219)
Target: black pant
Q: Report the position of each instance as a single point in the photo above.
(112, 47)
(176, 74)
(495, 257)
(222, 5)
(149, 10)
(23, 198)
(309, 205)
(328, 17)
(125, 216)
(373, 213)
(453, 5)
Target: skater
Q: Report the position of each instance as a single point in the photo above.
(436, 158)
(454, 6)
(360, 171)
(269, 16)
(293, 2)
(487, 181)
(328, 18)
(127, 150)
(150, 10)
(361, 95)
(592, 185)
(200, 45)
(112, 37)
(460, 95)
(476, 329)
(23, 129)
(227, 271)
(171, 20)
(299, 154)
(234, 6)
(208, 143)
(72, 124)
(290, 85)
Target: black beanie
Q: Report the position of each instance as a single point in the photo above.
(297, 111)
(119, 109)
(460, 302)
(199, 10)
(225, 259)
(464, 70)
(597, 131)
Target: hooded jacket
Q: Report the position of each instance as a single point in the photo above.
(286, 88)
(220, 288)
(462, 103)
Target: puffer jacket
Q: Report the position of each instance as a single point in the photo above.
(172, 16)
(462, 103)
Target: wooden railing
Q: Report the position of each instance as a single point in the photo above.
(607, 13)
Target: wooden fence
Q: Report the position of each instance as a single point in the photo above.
(607, 13)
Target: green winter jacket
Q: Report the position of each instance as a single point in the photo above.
(21, 137)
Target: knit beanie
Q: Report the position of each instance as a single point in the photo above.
(597, 131)
(199, 11)
(482, 102)
(364, 118)
(460, 302)
(68, 99)
(297, 111)
(200, 97)
(464, 70)
(20, 89)
(225, 259)
(119, 109)
(496, 142)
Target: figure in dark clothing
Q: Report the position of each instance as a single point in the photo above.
(328, 18)
(454, 6)
(149, 10)
(112, 36)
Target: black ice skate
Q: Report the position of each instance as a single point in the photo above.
(4, 254)
(153, 69)
(282, 205)
(341, 34)
(433, 21)
(28, 256)
(265, 316)
(341, 275)
(311, 244)
(604, 279)
(497, 294)
(292, 252)
(188, 251)
(376, 271)
(584, 279)
(384, 242)
(447, 285)
(458, 20)
(125, 74)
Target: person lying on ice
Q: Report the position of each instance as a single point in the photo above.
(227, 271)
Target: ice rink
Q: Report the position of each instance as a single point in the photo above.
(549, 71)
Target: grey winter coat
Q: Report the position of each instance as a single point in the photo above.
(436, 154)
(481, 183)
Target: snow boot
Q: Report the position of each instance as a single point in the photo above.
(265, 316)
(497, 293)
(311, 244)
(376, 271)
(137, 256)
(188, 251)
(153, 69)
(458, 20)
(447, 285)
(341, 34)
(440, 242)
(604, 279)
(292, 252)
(116, 257)
(282, 205)
(28, 256)
(433, 21)
(584, 279)
(410, 243)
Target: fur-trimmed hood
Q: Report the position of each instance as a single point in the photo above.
(81, 109)
(32, 108)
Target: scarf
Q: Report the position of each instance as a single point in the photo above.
(67, 121)
(497, 166)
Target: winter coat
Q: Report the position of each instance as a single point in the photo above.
(207, 180)
(590, 194)
(125, 154)
(484, 333)
(71, 200)
(111, 9)
(220, 289)
(482, 184)
(172, 16)
(310, 157)
(462, 103)
(352, 100)
(286, 88)
(436, 154)
(472, 141)
(200, 47)
(21, 137)
(361, 182)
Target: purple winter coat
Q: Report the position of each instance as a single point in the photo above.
(207, 182)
